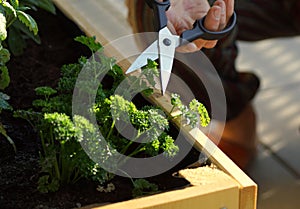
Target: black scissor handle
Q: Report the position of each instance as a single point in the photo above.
(199, 31)
(159, 9)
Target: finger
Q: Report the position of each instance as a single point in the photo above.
(229, 8)
(200, 43)
(171, 27)
(210, 44)
(188, 48)
(196, 46)
(222, 5)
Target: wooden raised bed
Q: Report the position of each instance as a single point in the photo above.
(225, 187)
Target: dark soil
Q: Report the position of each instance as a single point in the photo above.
(40, 66)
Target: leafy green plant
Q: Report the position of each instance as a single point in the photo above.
(63, 161)
(15, 26)
(20, 24)
(66, 141)
(62, 158)
(5, 105)
(143, 187)
(4, 77)
(57, 162)
(190, 113)
(147, 121)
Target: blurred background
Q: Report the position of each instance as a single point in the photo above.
(276, 169)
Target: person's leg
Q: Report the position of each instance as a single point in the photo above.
(257, 20)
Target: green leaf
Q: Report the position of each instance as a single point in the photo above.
(46, 184)
(3, 102)
(119, 107)
(16, 43)
(28, 21)
(63, 127)
(148, 92)
(89, 42)
(4, 77)
(175, 100)
(43, 4)
(142, 187)
(24, 29)
(3, 31)
(170, 149)
(151, 64)
(14, 3)
(24, 8)
(4, 56)
(150, 71)
(9, 9)
(41, 103)
(201, 110)
(45, 91)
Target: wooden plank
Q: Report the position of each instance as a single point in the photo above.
(214, 189)
(95, 18)
(248, 189)
(100, 19)
(187, 198)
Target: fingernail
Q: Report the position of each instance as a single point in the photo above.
(217, 14)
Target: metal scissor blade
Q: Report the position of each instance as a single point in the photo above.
(167, 46)
(164, 79)
(150, 53)
(166, 63)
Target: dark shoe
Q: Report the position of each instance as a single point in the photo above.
(239, 92)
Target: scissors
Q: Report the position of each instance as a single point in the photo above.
(165, 45)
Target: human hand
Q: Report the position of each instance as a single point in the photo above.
(183, 13)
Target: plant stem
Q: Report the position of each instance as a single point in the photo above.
(76, 177)
(56, 167)
(64, 166)
(111, 129)
(172, 110)
(137, 150)
(170, 113)
(56, 164)
(132, 85)
(10, 22)
(43, 142)
(123, 151)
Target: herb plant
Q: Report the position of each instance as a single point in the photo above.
(5, 105)
(143, 187)
(63, 160)
(191, 113)
(21, 25)
(66, 141)
(15, 26)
